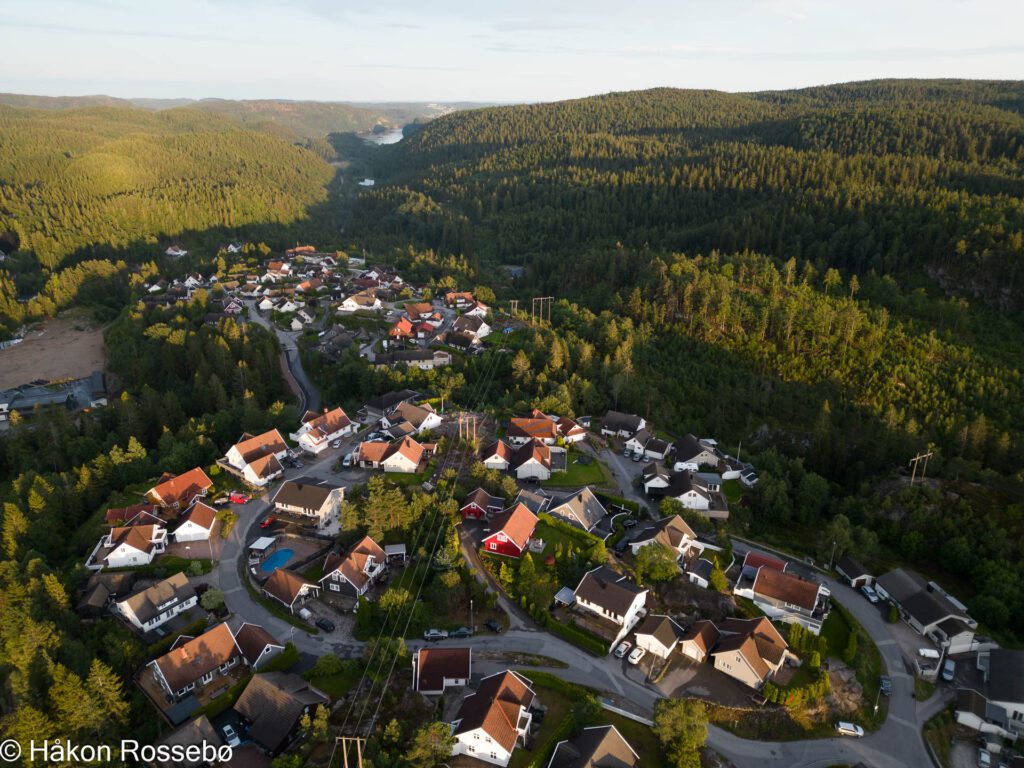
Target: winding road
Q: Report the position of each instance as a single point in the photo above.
(896, 744)
(309, 395)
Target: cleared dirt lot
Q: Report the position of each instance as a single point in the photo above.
(61, 348)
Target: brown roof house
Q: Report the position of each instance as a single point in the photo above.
(153, 606)
(497, 455)
(194, 662)
(532, 461)
(289, 588)
(257, 458)
(354, 572)
(699, 640)
(272, 706)
(128, 546)
(524, 429)
(673, 532)
(613, 597)
(749, 650)
(659, 635)
(599, 746)
(318, 429)
(492, 722)
(181, 490)
(434, 669)
(257, 645)
(196, 524)
(787, 598)
(310, 497)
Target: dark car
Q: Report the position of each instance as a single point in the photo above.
(621, 546)
(325, 624)
(461, 632)
(629, 522)
(493, 625)
(885, 683)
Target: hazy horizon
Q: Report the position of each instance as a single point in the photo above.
(311, 50)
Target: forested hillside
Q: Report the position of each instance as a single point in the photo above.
(832, 276)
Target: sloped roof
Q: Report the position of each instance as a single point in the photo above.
(188, 662)
(747, 647)
(582, 506)
(195, 732)
(273, 702)
(150, 602)
(304, 492)
(252, 447)
(535, 450)
(535, 501)
(704, 633)
(608, 589)
(851, 567)
(252, 639)
(353, 564)
(757, 560)
(662, 628)
(434, 665)
(414, 414)
(498, 448)
(122, 515)
(1006, 675)
(200, 514)
(483, 499)
(495, 708)
(266, 466)
(670, 531)
(181, 488)
(324, 424)
(617, 420)
(527, 427)
(517, 523)
(139, 537)
(786, 587)
(408, 448)
(600, 746)
(285, 585)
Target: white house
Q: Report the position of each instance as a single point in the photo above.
(149, 608)
(492, 722)
(310, 497)
(134, 545)
(257, 458)
(265, 304)
(531, 461)
(286, 305)
(176, 251)
(423, 418)
(318, 430)
(659, 635)
(497, 455)
(405, 456)
(196, 524)
(618, 424)
(613, 597)
(434, 669)
(995, 704)
(364, 300)
(692, 453)
(671, 531)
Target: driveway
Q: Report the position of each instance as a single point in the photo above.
(623, 471)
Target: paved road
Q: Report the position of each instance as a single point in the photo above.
(310, 395)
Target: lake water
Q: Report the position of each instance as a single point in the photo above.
(392, 136)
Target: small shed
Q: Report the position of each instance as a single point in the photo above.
(395, 552)
(565, 596)
(259, 548)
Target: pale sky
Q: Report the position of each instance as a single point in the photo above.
(491, 50)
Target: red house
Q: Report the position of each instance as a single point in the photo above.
(480, 504)
(512, 530)
(401, 329)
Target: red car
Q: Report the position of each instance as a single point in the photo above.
(268, 522)
(239, 498)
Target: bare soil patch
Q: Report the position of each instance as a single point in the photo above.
(66, 347)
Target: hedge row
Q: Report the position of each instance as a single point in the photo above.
(284, 661)
(226, 700)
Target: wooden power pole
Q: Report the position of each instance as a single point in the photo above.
(356, 743)
(914, 462)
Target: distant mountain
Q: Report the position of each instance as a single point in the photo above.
(294, 120)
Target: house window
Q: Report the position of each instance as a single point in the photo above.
(334, 586)
(207, 677)
(493, 545)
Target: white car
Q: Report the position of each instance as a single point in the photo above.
(335, 443)
(231, 736)
(623, 649)
(869, 592)
(636, 655)
(849, 729)
(984, 758)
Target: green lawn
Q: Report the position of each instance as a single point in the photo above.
(836, 631)
(733, 490)
(923, 690)
(594, 473)
(405, 480)
(337, 685)
(553, 536)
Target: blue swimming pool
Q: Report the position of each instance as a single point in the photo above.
(276, 560)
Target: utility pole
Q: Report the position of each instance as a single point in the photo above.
(537, 306)
(513, 306)
(914, 462)
(357, 743)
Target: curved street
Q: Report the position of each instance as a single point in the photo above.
(308, 394)
(897, 744)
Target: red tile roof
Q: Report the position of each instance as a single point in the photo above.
(253, 447)
(201, 514)
(495, 708)
(180, 489)
(435, 665)
(285, 585)
(541, 428)
(190, 661)
(353, 565)
(786, 587)
(757, 560)
(517, 523)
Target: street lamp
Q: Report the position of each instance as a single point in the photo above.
(472, 626)
(877, 695)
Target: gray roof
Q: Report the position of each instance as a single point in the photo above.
(152, 601)
(914, 595)
(703, 568)
(689, 447)
(273, 702)
(618, 421)
(608, 589)
(194, 732)
(663, 628)
(582, 508)
(304, 492)
(535, 501)
(390, 399)
(601, 746)
(1006, 675)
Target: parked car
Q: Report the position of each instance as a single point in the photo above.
(494, 625)
(461, 632)
(435, 634)
(623, 649)
(636, 655)
(231, 736)
(637, 456)
(325, 624)
(948, 670)
(621, 546)
(869, 592)
(849, 729)
(629, 522)
(222, 501)
(239, 498)
(335, 443)
(984, 758)
(297, 464)
(267, 522)
(885, 683)
(349, 459)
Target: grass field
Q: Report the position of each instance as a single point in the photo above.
(594, 473)
(337, 685)
(733, 490)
